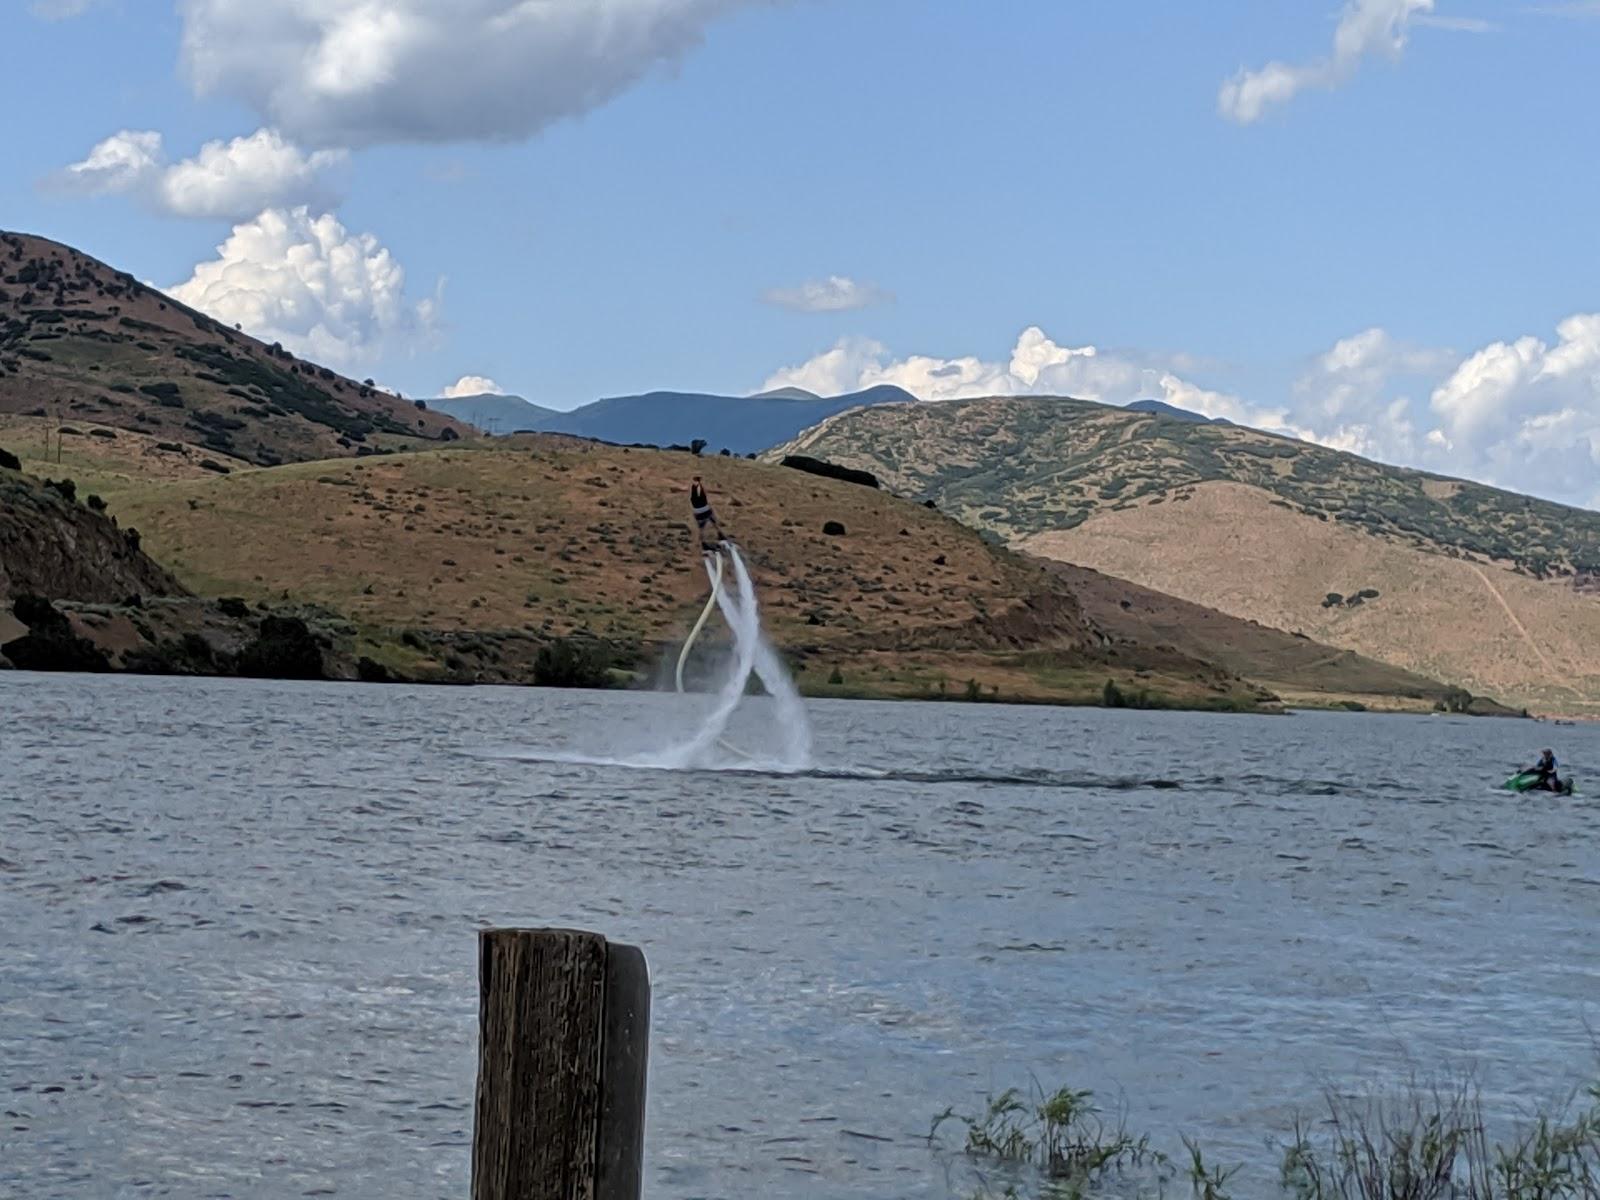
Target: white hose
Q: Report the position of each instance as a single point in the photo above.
(694, 634)
(705, 614)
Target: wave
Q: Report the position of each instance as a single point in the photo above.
(777, 769)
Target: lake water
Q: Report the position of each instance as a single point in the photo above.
(238, 926)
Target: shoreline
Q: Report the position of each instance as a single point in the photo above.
(638, 683)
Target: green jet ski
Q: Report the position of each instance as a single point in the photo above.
(1528, 781)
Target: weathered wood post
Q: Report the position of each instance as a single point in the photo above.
(563, 1041)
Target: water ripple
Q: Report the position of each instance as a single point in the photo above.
(240, 926)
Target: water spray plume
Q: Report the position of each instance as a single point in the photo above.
(753, 655)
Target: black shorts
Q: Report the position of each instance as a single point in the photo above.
(706, 518)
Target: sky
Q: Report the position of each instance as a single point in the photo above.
(1370, 224)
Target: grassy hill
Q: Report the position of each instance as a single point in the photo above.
(1478, 587)
(489, 545)
(82, 341)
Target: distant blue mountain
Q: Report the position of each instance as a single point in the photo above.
(739, 424)
(1162, 409)
(494, 413)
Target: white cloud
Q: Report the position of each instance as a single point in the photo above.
(473, 385)
(360, 72)
(1521, 414)
(1366, 27)
(304, 281)
(836, 293)
(1038, 366)
(229, 180)
(242, 177)
(123, 162)
(1526, 414)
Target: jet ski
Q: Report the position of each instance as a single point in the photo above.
(1528, 781)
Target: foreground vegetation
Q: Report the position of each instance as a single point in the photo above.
(1419, 1143)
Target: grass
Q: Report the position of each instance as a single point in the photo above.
(1063, 1137)
(1420, 1142)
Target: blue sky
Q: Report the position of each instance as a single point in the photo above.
(1371, 224)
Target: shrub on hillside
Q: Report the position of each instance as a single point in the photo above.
(572, 663)
(817, 466)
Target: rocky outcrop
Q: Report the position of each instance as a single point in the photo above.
(50, 643)
(285, 648)
(55, 547)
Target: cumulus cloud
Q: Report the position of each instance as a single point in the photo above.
(1526, 413)
(243, 176)
(123, 162)
(836, 293)
(1522, 414)
(1366, 27)
(228, 180)
(472, 385)
(358, 72)
(305, 281)
(1038, 365)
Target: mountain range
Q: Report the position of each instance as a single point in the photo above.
(738, 424)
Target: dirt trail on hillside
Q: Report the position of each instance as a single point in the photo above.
(1515, 622)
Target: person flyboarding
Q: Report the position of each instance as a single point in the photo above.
(704, 515)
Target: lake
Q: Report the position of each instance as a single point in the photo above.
(240, 958)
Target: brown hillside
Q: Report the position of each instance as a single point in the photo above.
(1230, 547)
(1290, 665)
(82, 341)
(550, 536)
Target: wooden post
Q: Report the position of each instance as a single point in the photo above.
(564, 1035)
